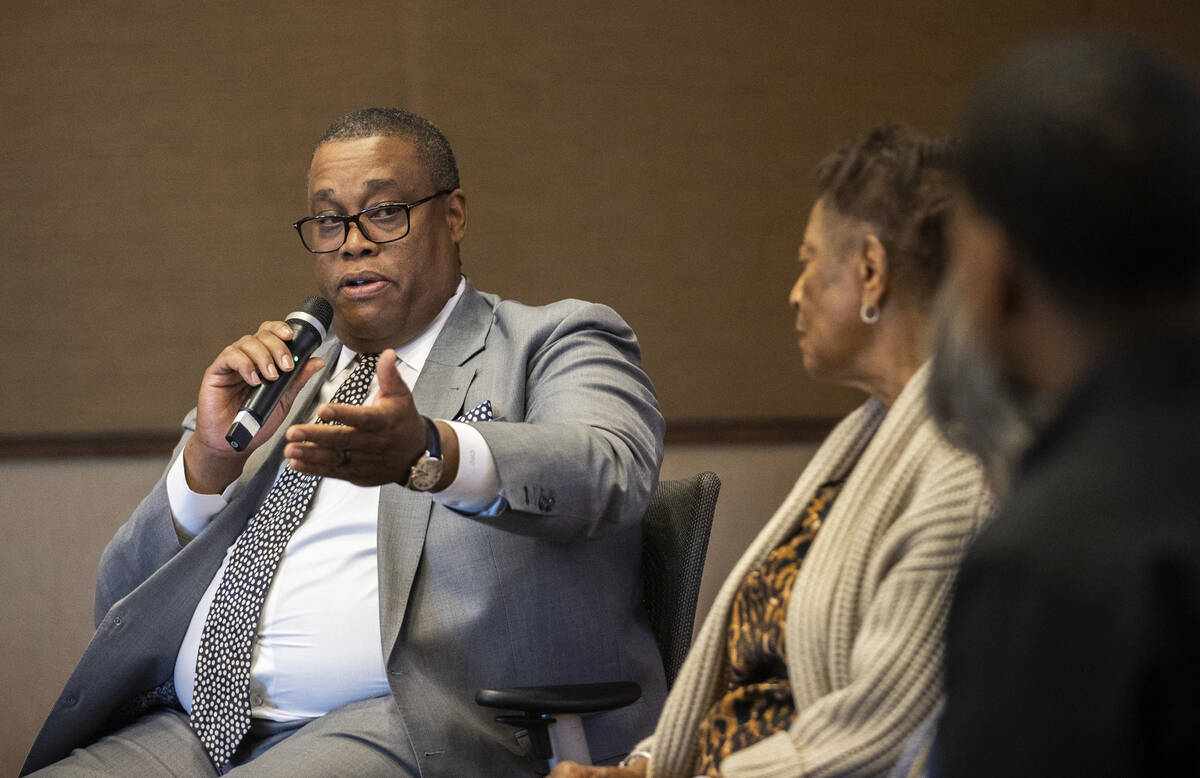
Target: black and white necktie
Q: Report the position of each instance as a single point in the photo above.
(221, 697)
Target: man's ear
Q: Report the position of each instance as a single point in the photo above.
(456, 215)
(873, 270)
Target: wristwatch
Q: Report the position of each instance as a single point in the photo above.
(427, 470)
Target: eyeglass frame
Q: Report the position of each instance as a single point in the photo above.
(354, 219)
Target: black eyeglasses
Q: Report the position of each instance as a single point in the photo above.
(381, 223)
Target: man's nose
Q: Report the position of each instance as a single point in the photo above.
(794, 295)
(357, 244)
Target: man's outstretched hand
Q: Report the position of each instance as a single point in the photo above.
(371, 444)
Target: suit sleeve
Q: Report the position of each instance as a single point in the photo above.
(585, 458)
(142, 544)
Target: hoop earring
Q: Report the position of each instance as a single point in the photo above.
(869, 313)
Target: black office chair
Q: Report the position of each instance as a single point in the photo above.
(675, 532)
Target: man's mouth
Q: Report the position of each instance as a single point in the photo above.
(362, 284)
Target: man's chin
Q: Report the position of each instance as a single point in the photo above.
(357, 334)
(975, 403)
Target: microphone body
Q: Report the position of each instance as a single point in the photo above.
(309, 326)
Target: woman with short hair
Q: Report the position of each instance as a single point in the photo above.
(823, 649)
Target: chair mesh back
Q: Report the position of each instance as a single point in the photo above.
(674, 544)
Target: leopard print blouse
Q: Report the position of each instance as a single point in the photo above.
(758, 702)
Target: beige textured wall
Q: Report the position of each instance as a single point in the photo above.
(654, 156)
(57, 516)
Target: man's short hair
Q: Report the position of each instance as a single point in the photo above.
(900, 182)
(433, 150)
(1086, 150)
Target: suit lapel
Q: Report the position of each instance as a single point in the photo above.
(404, 515)
(447, 374)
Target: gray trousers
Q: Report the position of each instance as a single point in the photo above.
(365, 738)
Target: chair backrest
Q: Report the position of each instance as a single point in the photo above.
(675, 533)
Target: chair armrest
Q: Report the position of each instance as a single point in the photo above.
(570, 698)
(540, 704)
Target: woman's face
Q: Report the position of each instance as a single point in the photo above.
(827, 297)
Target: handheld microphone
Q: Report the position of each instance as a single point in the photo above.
(309, 326)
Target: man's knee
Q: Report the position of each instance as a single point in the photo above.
(160, 743)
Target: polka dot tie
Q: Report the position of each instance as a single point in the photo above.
(221, 697)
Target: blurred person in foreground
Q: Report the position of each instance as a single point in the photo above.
(1073, 643)
(823, 649)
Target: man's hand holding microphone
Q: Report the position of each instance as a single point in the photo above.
(249, 389)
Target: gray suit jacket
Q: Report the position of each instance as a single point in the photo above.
(465, 603)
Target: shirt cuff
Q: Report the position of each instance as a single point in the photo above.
(192, 510)
(476, 486)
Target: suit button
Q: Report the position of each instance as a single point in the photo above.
(69, 701)
(117, 621)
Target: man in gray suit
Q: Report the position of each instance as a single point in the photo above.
(416, 575)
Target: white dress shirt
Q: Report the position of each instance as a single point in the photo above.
(319, 643)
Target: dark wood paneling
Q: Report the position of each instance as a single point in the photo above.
(679, 432)
(88, 445)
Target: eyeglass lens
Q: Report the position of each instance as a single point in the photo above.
(380, 224)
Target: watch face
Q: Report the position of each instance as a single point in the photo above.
(424, 474)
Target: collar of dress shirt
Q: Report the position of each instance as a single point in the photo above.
(416, 351)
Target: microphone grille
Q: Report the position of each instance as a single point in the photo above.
(319, 308)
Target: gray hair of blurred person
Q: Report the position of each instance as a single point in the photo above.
(974, 405)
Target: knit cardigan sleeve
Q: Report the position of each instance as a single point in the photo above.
(856, 711)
